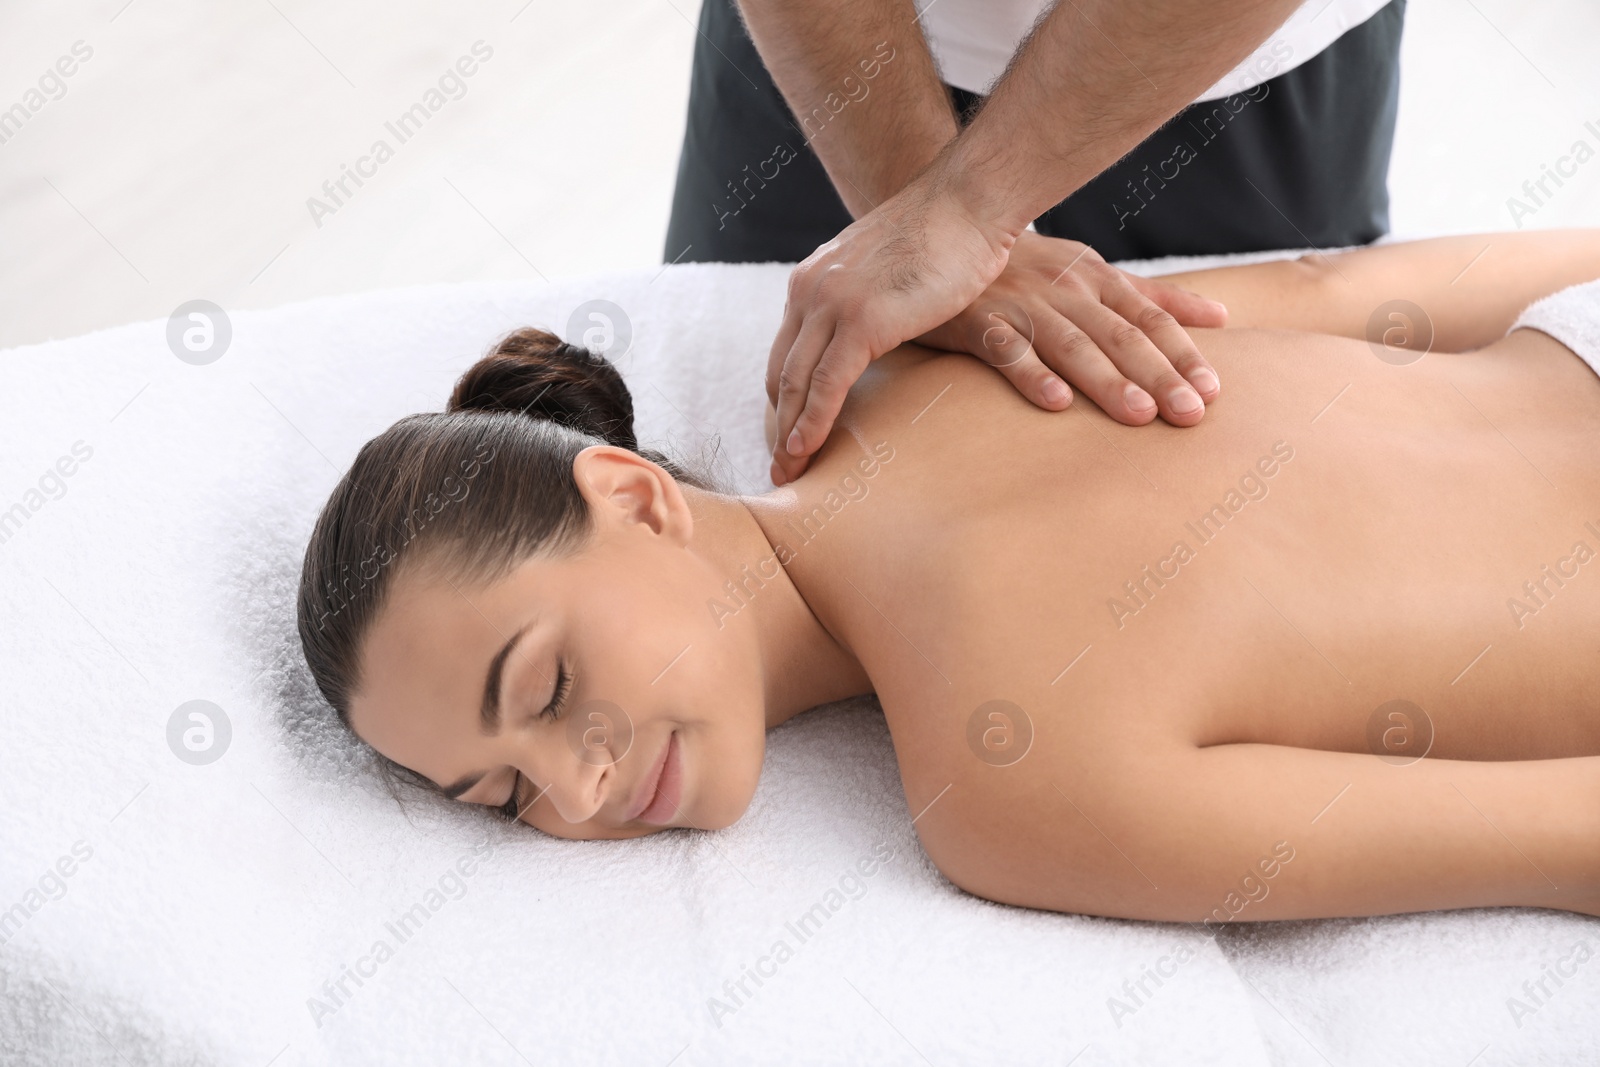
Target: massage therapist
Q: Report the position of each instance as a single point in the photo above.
(944, 128)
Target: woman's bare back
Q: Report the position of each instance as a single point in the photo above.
(1339, 532)
(1123, 665)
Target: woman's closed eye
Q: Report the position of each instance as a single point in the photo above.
(558, 702)
(552, 711)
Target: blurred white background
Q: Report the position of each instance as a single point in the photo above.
(178, 162)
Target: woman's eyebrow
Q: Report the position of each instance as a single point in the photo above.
(490, 713)
(454, 791)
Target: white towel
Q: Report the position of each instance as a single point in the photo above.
(1571, 316)
(219, 904)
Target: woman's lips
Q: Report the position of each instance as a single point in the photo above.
(664, 787)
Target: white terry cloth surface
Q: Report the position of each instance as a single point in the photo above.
(1571, 316)
(217, 900)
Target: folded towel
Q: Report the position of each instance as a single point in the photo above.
(1571, 316)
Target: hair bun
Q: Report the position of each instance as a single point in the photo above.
(537, 374)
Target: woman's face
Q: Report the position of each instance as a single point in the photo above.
(613, 654)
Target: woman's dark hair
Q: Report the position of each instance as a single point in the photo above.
(474, 490)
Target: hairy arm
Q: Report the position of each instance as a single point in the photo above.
(868, 99)
(861, 82)
(947, 258)
(1472, 287)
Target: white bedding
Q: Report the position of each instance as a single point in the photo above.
(208, 905)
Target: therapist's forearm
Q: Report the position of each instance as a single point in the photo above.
(863, 87)
(1094, 79)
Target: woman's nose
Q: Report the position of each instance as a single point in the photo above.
(578, 786)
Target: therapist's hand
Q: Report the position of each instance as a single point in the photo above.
(1032, 306)
(1060, 311)
(901, 269)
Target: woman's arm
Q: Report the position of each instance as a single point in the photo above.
(1472, 287)
(1207, 835)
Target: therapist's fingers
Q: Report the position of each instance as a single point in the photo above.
(1131, 324)
(1007, 344)
(794, 377)
(825, 389)
(1163, 330)
(1190, 309)
(788, 331)
(1136, 357)
(1075, 356)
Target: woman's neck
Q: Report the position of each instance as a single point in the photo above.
(803, 665)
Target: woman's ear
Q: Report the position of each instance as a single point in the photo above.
(623, 488)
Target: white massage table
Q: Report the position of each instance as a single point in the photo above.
(213, 910)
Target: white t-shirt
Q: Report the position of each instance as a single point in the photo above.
(973, 40)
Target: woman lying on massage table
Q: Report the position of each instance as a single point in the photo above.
(1343, 635)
